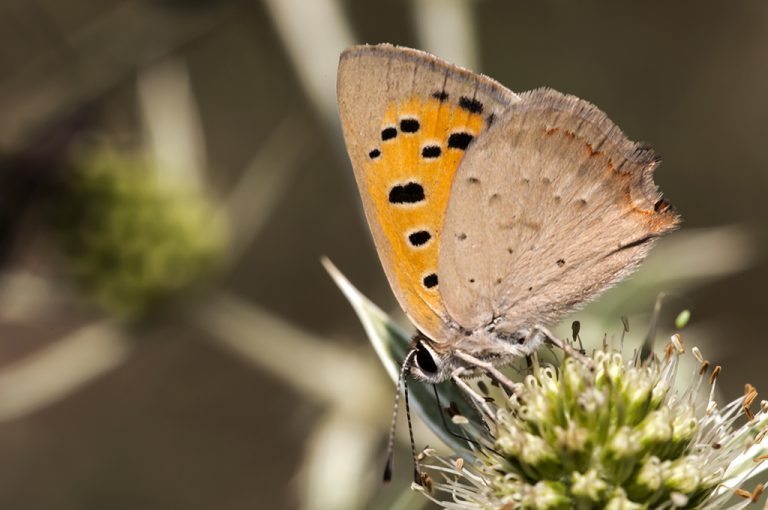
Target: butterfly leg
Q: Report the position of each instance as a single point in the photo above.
(492, 371)
(443, 411)
(567, 348)
(474, 397)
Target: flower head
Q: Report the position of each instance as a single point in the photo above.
(132, 240)
(614, 435)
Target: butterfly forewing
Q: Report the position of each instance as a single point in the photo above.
(550, 207)
(408, 119)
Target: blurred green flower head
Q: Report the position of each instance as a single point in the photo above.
(616, 435)
(133, 240)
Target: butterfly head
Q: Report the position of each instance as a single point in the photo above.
(427, 364)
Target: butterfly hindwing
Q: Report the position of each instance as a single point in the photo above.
(408, 118)
(550, 207)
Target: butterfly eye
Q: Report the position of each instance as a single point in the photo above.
(424, 360)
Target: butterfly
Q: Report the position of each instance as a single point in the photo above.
(494, 214)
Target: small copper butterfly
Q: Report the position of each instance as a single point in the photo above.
(494, 214)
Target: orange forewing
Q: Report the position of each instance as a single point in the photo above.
(401, 161)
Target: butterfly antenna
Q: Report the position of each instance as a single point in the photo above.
(391, 442)
(416, 473)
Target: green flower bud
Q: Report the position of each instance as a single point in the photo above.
(655, 431)
(637, 394)
(538, 457)
(684, 428)
(588, 488)
(620, 502)
(616, 437)
(573, 443)
(622, 453)
(549, 496)
(682, 475)
(648, 481)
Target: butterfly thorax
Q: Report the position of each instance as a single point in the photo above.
(437, 360)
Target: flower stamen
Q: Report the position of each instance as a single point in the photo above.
(616, 434)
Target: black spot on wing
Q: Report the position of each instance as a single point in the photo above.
(388, 133)
(375, 153)
(470, 104)
(430, 280)
(440, 95)
(459, 140)
(410, 193)
(419, 238)
(409, 125)
(431, 152)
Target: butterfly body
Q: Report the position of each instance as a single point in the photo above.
(494, 214)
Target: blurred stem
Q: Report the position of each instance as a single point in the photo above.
(172, 123)
(265, 180)
(447, 29)
(314, 34)
(339, 450)
(312, 365)
(349, 387)
(26, 296)
(61, 369)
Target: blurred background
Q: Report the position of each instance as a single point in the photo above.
(172, 171)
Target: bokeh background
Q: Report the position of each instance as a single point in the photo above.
(172, 171)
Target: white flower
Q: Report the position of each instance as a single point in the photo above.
(617, 435)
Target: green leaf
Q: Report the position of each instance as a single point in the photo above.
(391, 343)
